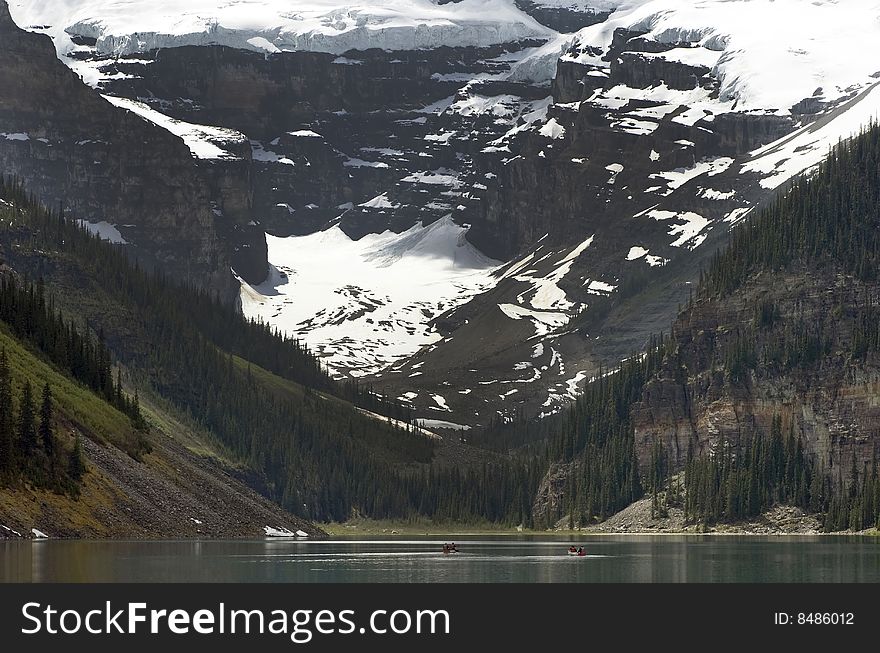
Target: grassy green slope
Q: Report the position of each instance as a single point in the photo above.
(76, 405)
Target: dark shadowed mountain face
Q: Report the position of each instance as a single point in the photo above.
(475, 224)
(106, 165)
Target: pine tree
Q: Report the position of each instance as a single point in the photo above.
(76, 465)
(27, 431)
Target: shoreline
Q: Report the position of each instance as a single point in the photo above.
(334, 534)
(391, 529)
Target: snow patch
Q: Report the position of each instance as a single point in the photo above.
(380, 202)
(680, 176)
(615, 169)
(687, 231)
(205, 142)
(636, 252)
(283, 532)
(552, 129)
(803, 150)
(546, 295)
(363, 304)
(440, 401)
(260, 153)
(543, 321)
(104, 231)
(442, 424)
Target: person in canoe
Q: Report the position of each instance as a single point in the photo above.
(572, 550)
(450, 548)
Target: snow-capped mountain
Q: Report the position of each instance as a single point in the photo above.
(594, 159)
(766, 55)
(127, 26)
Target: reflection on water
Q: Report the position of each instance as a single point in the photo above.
(509, 559)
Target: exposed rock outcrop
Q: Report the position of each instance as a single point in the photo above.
(563, 18)
(831, 404)
(101, 163)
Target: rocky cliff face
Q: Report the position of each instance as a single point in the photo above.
(104, 164)
(326, 131)
(565, 181)
(568, 17)
(831, 404)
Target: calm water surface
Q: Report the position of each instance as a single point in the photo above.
(641, 559)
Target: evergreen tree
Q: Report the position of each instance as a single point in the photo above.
(27, 430)
(76, 464)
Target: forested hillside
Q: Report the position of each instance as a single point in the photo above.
(304, 440)
(777, 358)
(765, 393)
(824, 233)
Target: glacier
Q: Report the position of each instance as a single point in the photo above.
(363, 304)
(128, 26)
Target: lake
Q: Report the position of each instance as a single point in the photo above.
(624, 558)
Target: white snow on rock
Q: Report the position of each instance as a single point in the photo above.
(379, 202)
(442, 424)
(698, 103)
(688, 229)
(438, 107)
(305, 133)
(544, 293)
(441, 401)
(680, 176)
(127, 26)
(363, 304)
(552, 129)
(600, 287)
(205, 142)
(278, 532)
(737, 214)
(476, 105)
(712, 194)
(615, 169)
(805, 148)
(40, 535)
(353, 162)
(104, 231)
(538, 65)
(260, 153)
(636, 253)
(261, 43)
(440, 177)
(773, 53)
(543, 321)
(97, 72)
(18, 136)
